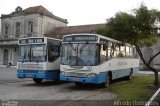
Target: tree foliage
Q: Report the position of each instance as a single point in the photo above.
(137, 28)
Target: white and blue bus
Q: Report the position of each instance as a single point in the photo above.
(39, 58)
(92, 58)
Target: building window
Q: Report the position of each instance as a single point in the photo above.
(6, 29)
(30, 27)
(18, 28)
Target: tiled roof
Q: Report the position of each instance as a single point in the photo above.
(37, 9)
(32, 10)
(60, 31)
(43, 11)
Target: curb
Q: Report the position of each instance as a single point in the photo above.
(4, 66)
(146, 72)
(152, 98)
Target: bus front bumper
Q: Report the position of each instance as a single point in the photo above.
(49, 75)
(97, 79)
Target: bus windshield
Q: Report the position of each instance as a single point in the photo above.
(79, 54)
(32, 53)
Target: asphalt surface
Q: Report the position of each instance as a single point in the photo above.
(25, 92)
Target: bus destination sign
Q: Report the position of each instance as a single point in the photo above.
(77, 38)
(32, 40)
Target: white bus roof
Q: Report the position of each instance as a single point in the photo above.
(40, 37)
(44, 40)
(100, 36)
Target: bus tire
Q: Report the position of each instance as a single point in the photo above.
(37, 80)
(107, 82)
(129, 77)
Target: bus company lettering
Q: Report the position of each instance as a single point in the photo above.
(85, 38)
(121, 63)
(79, 38)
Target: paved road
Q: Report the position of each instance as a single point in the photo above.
(12, 88)
(7, 74)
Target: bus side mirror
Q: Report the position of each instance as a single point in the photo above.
(104, 46)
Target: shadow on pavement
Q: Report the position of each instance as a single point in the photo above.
(45, 83)
(74, 86)
(84, 87)
(95, 86)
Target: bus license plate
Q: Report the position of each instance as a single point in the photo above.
(76, 79)
(29, 75)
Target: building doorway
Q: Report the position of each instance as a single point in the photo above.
(5, 57)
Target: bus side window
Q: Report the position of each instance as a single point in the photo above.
(103, 53)
(53, 52)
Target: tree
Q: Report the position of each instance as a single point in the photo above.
(137, 28)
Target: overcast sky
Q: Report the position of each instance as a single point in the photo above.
(80, 12)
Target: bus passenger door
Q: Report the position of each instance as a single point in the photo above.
(53, 52)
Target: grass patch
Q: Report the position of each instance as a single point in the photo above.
(135, 89)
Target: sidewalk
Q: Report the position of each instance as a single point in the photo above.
(5, 66)
(146, 72)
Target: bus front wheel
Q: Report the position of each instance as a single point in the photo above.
(107, 82)
(129, 77)
(37, 80)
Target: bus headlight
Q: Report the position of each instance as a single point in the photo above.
(91, 74)
(63, 73)
(89, 68)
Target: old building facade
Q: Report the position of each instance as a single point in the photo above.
(33, 21)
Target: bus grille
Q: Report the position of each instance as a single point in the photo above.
(76, 74)
(30, 67)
